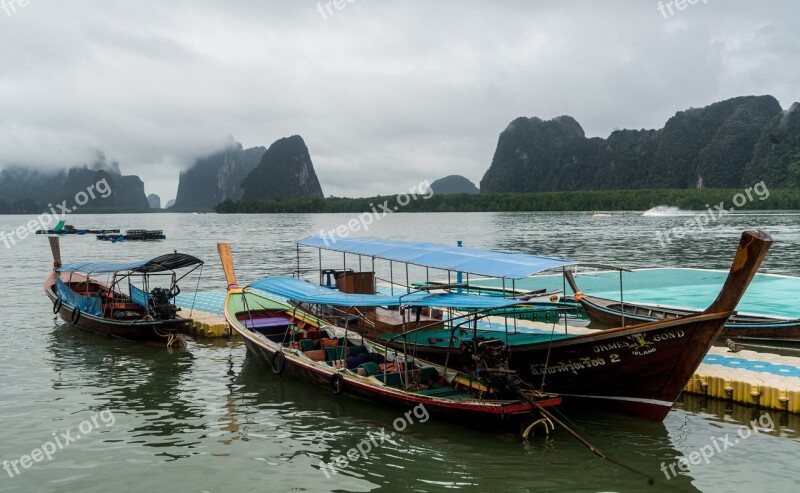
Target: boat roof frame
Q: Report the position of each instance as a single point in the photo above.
(482, 262)
(164, 263)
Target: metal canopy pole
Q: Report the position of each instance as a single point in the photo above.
(564, 293)
(513, 294)
(621, 299)
(298, 260)
(458, 274)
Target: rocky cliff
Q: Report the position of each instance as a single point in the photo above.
(216, 178)
(722, 145)
(285, 172)
(100, 187)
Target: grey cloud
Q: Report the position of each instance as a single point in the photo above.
(384, 93)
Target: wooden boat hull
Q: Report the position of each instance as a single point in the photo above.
(511, 415)
(471, 411)
(637, 370)
(608, 313)
(130, 330)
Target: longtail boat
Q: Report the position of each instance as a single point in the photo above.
(639, 369)
(118, 307)
(604, 311)
(293, 342)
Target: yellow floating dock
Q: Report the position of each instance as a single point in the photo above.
(207, 325)
(206, 311)
(751, 378)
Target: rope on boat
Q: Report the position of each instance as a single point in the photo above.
(549, 347)
(196, 289)
(596, 451)
(544, 421)
(173, 339)
(735, 347)
(176, 340)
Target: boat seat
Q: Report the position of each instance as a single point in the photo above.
(444, 392)
(356, 350)
(427, 373)
(306, 345)
(335, 353)
(262, 323)
(315, 355)
(393, 379)
(370, 367)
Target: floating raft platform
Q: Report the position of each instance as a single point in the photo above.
(69, 230)
(206, 312)
(134, 235)
(750, 378)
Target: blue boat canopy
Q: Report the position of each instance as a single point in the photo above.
(490, 263)
(307, 292)
(164, 263)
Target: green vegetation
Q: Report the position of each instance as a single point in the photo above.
(724, 145)
(607, 200)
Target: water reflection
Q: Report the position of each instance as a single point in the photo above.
(429, 456)
(786, 424)
(130, 379)
(215, 419)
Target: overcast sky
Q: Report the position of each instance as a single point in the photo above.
(385, 93)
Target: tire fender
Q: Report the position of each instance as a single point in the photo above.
(278, 363)
(337, 383)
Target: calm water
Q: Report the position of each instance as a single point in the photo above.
(211, 418)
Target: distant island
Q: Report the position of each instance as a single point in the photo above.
(154, 201)
(25, 191)
(453, 184)
(730, 144)
(216, 178)
(284, 171)
(700, 154)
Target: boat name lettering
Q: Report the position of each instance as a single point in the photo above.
(568, 366)
(608, 347)
(669, 335)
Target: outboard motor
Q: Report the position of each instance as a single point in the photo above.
(160, 301)
(487, 361)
